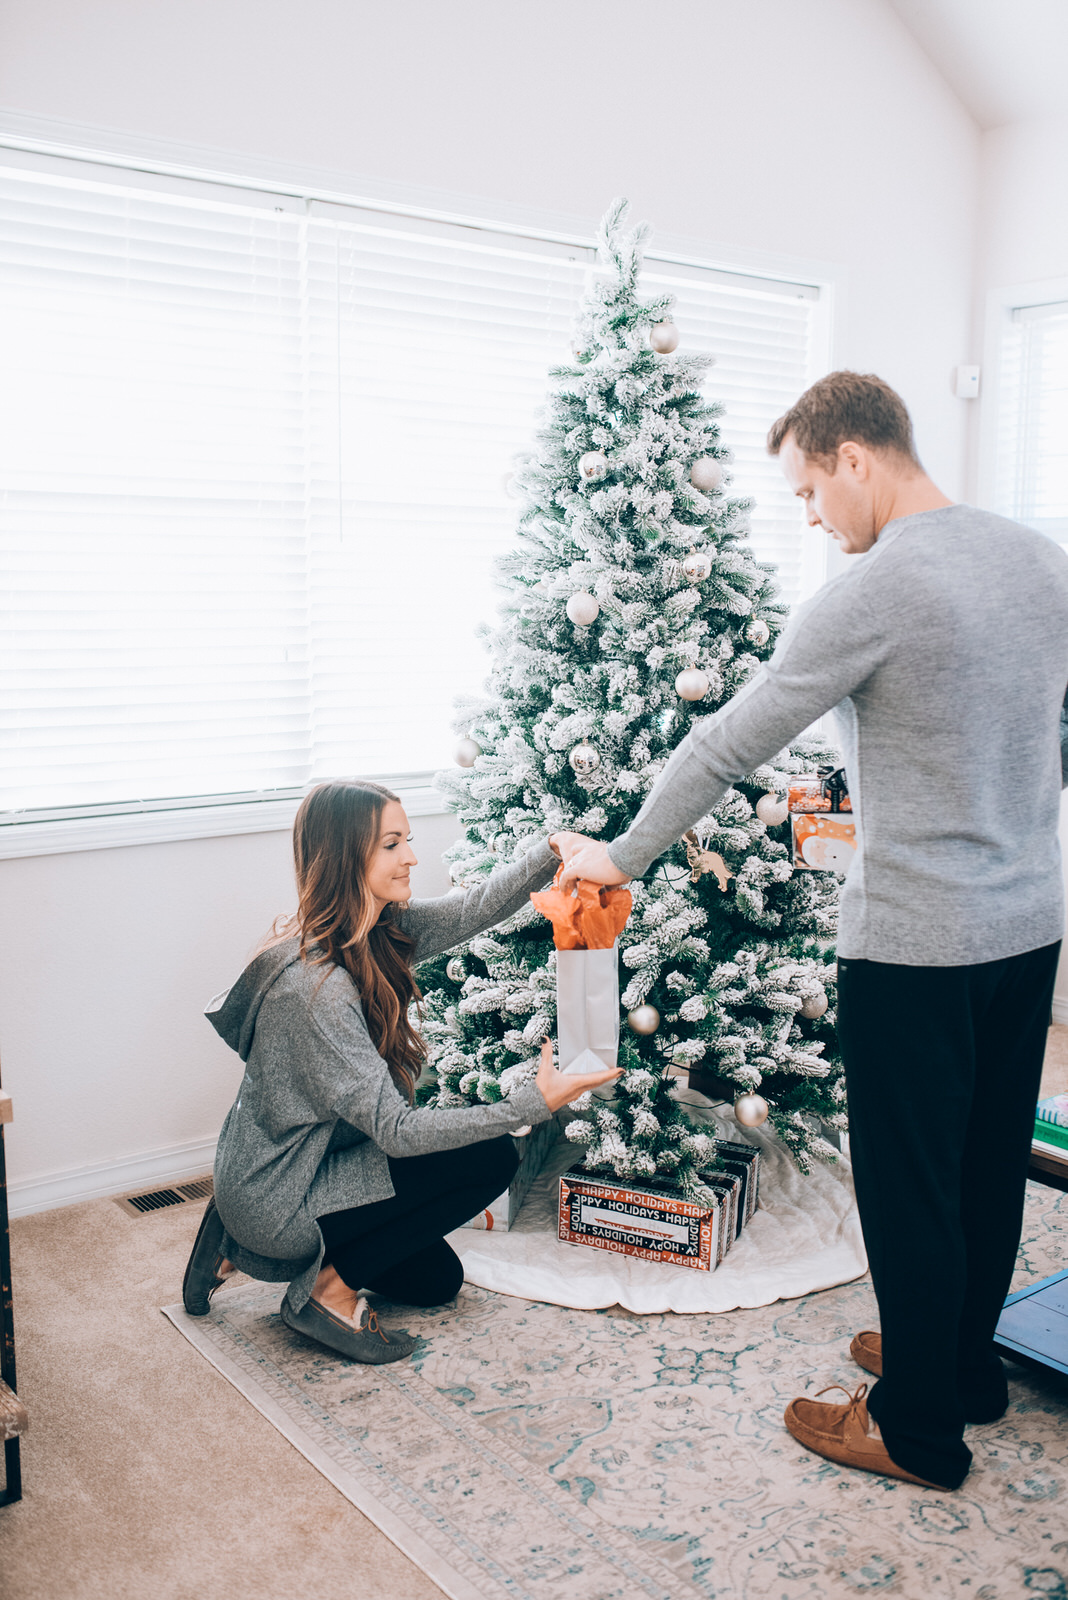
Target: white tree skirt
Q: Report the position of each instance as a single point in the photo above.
(805, 1236)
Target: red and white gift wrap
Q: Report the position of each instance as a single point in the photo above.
(639, 1222)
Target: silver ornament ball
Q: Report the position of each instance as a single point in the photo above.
(466, 753)
(643, 1019)
(772, 810)
(583, 609)
(455, 970)
(706, 473)
(751, 1110)
(593, 466)
(664, 337)
(584, 759)
(691, 684)
(814, 1006)
(758, 631)
(697, 566)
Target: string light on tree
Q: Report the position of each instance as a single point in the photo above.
(584, 759)
(583, 609)
(697, 566)
(772, 809)
(706, 474)
(664, 337)
(644, 1020)
(751, 1110)
(691, 684)
(467, 752)
(593, 466)
(757, 631)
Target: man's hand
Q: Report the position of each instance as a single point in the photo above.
(590, 860)
(559, 1088)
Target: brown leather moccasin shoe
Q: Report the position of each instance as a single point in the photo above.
(867, 1351)
(846, 1434)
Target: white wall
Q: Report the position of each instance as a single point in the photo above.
(1023, 238)
(757, 132)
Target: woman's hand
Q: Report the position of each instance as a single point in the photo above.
(559, 1088)
(589, 859)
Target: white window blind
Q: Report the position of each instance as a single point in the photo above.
(1032, 457)
(253, 454)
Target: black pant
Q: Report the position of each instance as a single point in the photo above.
(396, 1247)
(942, 1066)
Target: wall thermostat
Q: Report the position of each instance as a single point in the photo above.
(966, 383)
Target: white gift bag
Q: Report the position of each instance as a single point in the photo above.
(587, 1009)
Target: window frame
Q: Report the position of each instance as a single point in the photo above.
(1001, 303)
(86, 827)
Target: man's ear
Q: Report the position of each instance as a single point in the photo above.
(854, 459)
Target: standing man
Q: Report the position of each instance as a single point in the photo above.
(943, 651)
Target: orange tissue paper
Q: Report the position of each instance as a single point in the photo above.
(589, 918)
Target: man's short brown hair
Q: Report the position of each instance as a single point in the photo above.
(841, 406)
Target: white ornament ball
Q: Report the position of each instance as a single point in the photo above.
(583, 609)
(466, 752)
(814, 1006)
(751, 1110)
(758, 631)
(697, 566)
(584, 759)
(691, 684)
(644, 1019)
(593, 466)
(455, 970)
(772, 810)
(706, 473)
(664, 337)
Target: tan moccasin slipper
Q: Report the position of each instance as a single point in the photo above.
(846, 1434)
(867, 1351)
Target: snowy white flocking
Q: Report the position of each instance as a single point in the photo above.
(706, 473)
(584, 759)
(691, 684)
(772, 810)
(467, 751)
(758, 631)
(697, 566)
(593, 466)
(664, 337)
(583, 609)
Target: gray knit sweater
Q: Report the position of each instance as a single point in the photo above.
(318, 1114)
(944, 654)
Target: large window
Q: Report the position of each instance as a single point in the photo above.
(1031, 481)
(253, 458)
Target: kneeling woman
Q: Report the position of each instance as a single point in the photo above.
(326, 1174)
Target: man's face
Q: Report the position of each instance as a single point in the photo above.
(840, 501)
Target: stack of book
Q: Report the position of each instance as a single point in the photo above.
(656, 1225)
(1051, 1123)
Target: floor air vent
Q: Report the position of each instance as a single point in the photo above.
(178, 1194)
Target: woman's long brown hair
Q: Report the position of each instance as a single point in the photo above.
(336, 830)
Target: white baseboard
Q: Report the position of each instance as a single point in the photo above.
(1060, 1008)
(152, 1170)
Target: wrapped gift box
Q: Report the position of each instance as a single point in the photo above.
(533, 1150)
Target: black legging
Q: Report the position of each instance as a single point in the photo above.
(396, 1247)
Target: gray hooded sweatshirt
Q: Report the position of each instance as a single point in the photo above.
(317, 1114)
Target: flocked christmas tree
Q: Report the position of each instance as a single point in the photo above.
(634, 604)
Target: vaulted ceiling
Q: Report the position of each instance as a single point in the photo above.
(1005, 60)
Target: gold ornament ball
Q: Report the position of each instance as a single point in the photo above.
(584, 759)
(593, 466)
(758, 631)
(772, 810)
(706, 473)
(751, 1110)
(691, 684)
(697, 566)
(643, 1019)
(664, 337)
(455, 970)
(814, 1006)
(583, 609)
(466, 752)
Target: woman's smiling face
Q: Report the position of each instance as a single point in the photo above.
(392, 858)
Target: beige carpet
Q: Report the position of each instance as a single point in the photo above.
(148, 1477)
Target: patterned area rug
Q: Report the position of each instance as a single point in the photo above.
(534, 1452)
